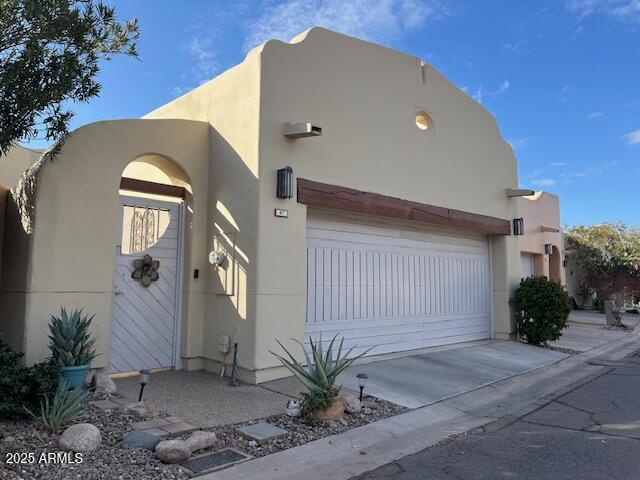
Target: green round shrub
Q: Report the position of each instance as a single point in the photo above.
(542, 309)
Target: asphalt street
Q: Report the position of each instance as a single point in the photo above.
(591, 432)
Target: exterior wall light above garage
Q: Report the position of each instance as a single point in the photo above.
(301, 130)
(518, 226)
(519, 192)
(284, 187)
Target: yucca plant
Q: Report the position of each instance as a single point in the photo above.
(322, 367)
(65, 405)
(71, 344)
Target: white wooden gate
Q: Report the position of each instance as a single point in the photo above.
(145, 326)
(395, 290)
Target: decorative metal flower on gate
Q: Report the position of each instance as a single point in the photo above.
(145, 270)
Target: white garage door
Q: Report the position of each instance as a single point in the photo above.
(395, 289)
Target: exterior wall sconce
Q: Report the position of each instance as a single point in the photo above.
(285, 183)
(518, 226)
(519, 192)
(301, 130)
(548, 248)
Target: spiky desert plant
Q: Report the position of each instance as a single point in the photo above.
(70, 341)
(322, 367)
(65, 405)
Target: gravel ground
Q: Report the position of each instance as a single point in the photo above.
(301, 432)
(112, 462)
(108, 462)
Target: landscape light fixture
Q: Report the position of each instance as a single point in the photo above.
(145, 376)
(285, 183)
(548, 248)
(518, 226)
(362, 381)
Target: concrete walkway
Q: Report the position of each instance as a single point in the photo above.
(203, 398)
(371, 446)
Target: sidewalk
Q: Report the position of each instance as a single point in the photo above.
(366, 448)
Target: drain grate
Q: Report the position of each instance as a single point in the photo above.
(213, 460)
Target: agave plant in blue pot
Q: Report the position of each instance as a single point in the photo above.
(71, 345)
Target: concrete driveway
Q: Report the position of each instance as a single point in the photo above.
(420, 379)
(588, 329)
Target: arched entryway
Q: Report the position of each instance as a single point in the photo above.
(555, 265)
(147, 280)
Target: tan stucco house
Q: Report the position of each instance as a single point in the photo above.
(542, 242)
(392, 226)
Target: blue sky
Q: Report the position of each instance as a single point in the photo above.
(562, 77)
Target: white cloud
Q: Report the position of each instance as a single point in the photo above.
(563, 96)
(517, 143)
(632, 138)
(376, 20)
(481, 92)
(558, 164)
(627, 11)
(543, 182)
(593, 171)
(595, 115)
(514, 47)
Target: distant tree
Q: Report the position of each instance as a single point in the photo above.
(609, 255)
(49, 57)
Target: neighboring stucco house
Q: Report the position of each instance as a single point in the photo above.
(542, 244)
(397, 236)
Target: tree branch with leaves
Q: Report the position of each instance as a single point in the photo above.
(50, 54)
(609, 256)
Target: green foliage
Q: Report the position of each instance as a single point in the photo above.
(70, 341)
(49, 56)
(13, 384)
(43, 379)
(315, 400)
(542, 308)
(609, 256)
(66, 404)
(20, 386)
(320, 371)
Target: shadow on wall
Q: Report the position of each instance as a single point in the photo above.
(232, 230)
(14, 248)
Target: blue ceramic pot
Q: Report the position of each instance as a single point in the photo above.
(75, 375)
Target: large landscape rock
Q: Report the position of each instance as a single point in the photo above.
(334, 412)
(104, 384)
(81, 437)
(351, 403)
(139, 410)
(200, 440)
(173, 451)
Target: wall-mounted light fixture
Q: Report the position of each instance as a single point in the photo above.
(301, 130)
(519, 192)
(518, 226)
(285, 183)
(548, 248)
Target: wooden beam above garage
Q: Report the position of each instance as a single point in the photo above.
(323, 195)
